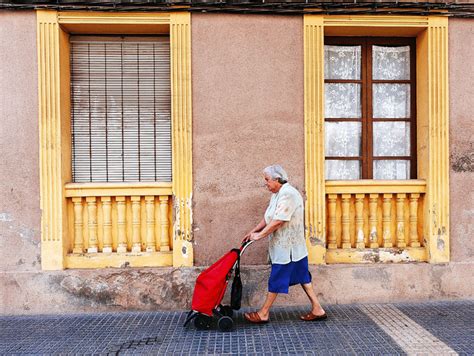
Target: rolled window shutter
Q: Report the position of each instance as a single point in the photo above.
(120, 109)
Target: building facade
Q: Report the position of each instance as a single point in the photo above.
(133, 143)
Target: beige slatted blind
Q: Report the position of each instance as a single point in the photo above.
(121, 109)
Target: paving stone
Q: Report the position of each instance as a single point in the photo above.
(347, 331)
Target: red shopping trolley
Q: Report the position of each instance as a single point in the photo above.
(209, 291)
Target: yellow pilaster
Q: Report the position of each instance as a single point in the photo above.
(437, 215)
(315, 214)
(180, 37)
(53, 115)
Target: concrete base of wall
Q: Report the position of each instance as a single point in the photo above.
(74, 291)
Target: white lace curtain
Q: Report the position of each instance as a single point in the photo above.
(389, 100)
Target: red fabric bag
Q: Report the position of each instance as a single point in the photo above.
(212, 283)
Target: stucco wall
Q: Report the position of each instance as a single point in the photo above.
(247, 114)
(19, 157)
(247, 95)
(461, 135)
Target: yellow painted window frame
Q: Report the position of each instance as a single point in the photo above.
(431, 33)
(53, 29)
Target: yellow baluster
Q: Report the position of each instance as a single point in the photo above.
(414, 242)
(359, 220)
(332, 243)
(121, 224)
(107, 223)
(373, 220)
(387, 220)
(346, 236)
(136, 242)
(78, 238)
(92, 224)
(150, 224)
(401, 221)
(164, 223)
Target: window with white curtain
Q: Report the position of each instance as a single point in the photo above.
(370, 108)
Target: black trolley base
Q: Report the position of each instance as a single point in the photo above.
(222, 315)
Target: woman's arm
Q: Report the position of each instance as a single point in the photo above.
(271, 227)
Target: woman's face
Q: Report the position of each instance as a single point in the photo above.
(272, 185)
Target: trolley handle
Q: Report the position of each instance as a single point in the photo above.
(245, 245)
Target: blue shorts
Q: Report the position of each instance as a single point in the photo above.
(284, 276)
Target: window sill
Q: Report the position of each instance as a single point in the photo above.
(119, 260)
(117, 189)
(377, 255)
(365, 186)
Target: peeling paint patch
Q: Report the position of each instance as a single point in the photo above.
(5, 217)
(440, 243)
(316, 241)
(371, 257)
(395, 256)
(125, 265)
(374, 275)
(146, 299)
(463, 162)
(383, 256)
(373, 235)
(89, 290)
(440, 238)
(189, 205)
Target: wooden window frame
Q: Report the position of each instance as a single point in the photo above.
(367, 157)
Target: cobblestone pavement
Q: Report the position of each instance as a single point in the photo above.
(440, 328)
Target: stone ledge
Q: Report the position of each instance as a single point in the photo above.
(115, 289)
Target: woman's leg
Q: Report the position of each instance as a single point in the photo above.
(316, 308)
(264, 312)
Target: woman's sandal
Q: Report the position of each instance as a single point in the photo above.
(254, 318)
(311, 317)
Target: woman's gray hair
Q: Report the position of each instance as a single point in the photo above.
(276, 172)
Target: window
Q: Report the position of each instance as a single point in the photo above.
(370, 108)
(121, 109)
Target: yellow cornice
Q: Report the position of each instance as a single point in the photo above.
(376, 21)
(108, 18)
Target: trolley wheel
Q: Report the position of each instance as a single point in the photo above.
(225, 323)
(227, 310)
(202, 322)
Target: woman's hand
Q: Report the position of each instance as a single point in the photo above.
(255, 236)
(247, 237)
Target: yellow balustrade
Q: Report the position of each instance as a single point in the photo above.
(119, 226)
(366, 221)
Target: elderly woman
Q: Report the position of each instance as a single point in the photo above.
(283, 223)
